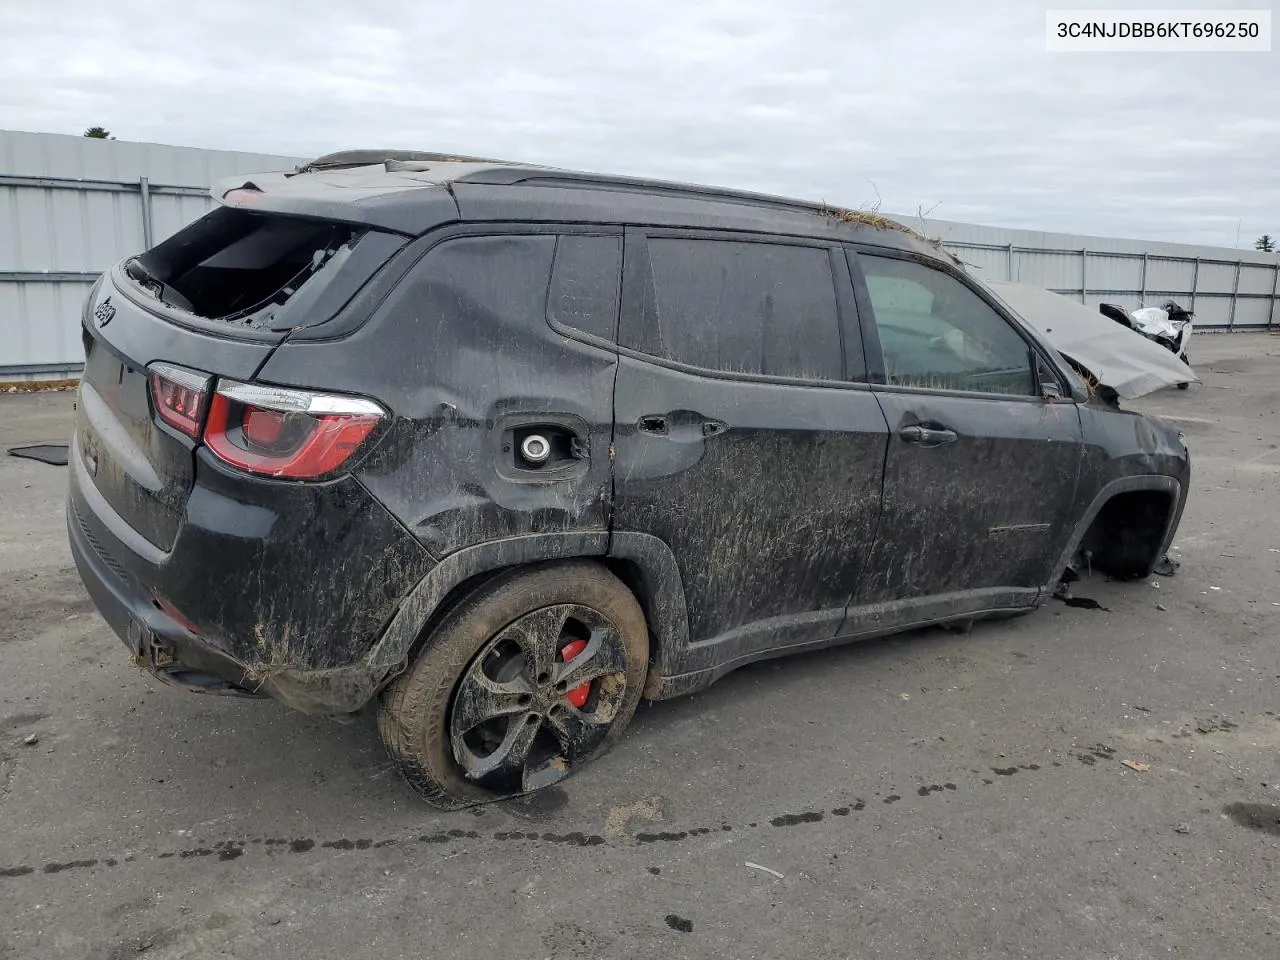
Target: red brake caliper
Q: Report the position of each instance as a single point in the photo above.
(578, 695)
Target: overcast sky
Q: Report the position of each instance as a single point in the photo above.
(946, 104)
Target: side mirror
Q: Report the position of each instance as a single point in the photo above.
(1050, 390)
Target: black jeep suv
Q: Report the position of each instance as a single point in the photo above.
(510, 447)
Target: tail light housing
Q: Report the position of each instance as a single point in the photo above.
(269, 431)
(279, 432)
(180, 397)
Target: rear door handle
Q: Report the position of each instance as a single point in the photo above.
(681, 425)
(654, 424)
(927, 436)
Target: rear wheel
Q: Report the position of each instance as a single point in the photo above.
(526, 680)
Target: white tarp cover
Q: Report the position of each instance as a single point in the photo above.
(1118, 357)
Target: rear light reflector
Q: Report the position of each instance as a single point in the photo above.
(262, 428)
(245, 196)
(293, 434)
(179, 396)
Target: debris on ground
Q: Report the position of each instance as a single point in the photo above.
(1084, 603)
(1135, 765)
(756, 866)
(1161, 607)
(1216, 725)
(31, 739)
(54, 454)
(1183, 828)
(1069, 576)
(1167, 567)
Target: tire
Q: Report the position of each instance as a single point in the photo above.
(509, 621)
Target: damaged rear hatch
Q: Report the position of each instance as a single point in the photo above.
(159, 329)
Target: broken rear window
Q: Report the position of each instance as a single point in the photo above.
(244, 267)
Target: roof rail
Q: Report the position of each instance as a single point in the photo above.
(506, 172)
(511, 173)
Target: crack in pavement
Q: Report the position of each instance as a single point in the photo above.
(227, 850)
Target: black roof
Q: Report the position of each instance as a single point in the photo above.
(392, 189)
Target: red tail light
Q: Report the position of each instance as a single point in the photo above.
(179, 396)
(279, 432)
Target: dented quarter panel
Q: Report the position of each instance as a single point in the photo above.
(325, 570)
(459, 347)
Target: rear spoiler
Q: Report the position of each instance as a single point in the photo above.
(397, 204)
(345, 159)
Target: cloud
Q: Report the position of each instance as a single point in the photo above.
(921, 103)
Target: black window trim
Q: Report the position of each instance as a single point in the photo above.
(1036, 356)
(635, 256)
(384, 283)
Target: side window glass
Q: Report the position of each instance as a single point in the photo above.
(937, 333)
(737, 307)
(584, 284)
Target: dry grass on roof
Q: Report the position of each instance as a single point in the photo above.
(867, 218)
(871, 218)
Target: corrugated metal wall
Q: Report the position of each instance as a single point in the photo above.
(70, 207)
(1225, 288)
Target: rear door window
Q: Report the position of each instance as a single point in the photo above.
(742, 308)
(936, 333)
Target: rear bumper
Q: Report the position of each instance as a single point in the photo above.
(264, 615)
(156, 642)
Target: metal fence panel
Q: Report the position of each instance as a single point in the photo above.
(1211, 311)
(72, 206)
(1215, 278)
(58, 155)
(1253, 313)
(1257, 280)
(989, 263)
(34, 350)
(1055, 271)
(170, 214)
(66, 230)
(1229, 289)
(1169, 276)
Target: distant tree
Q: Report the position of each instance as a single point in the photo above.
(1265, 243)
(99, 133)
